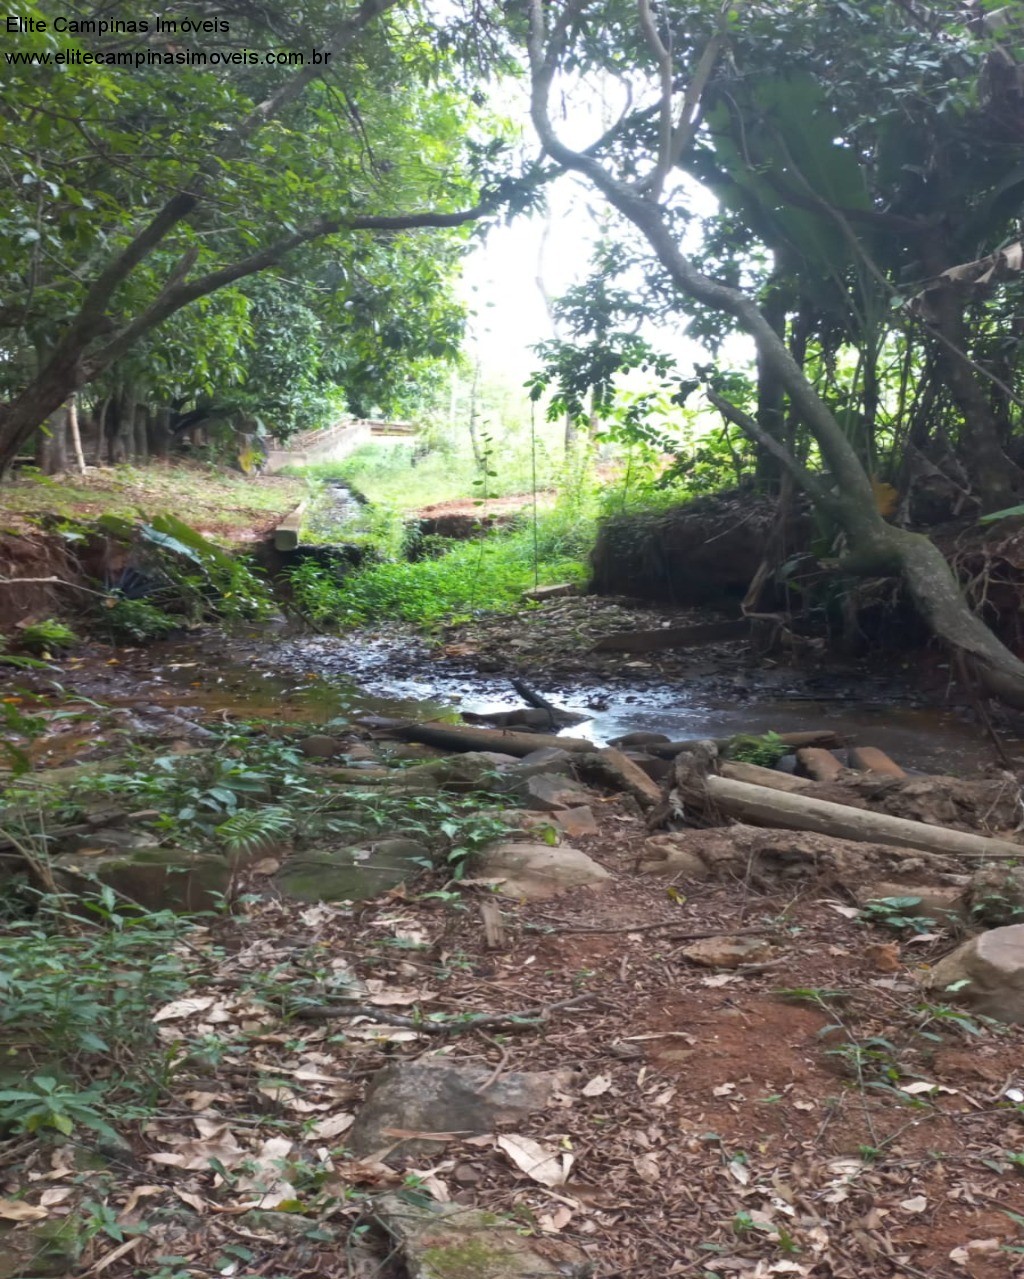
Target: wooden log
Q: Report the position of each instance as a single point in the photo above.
(869, 759)
(459, 737)
(763, 807)
(671, 637)
(758, 776)
(616, 769)
(819, 763)
(822, 737)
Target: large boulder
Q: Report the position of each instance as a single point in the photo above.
(451, 1241)
(156, 878)
(351, 874)
(534, 872)
(453, 1099)
(986, 973)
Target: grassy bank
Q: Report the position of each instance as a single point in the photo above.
(210, 499)
(452, 579)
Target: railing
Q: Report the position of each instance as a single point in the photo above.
(315, 439)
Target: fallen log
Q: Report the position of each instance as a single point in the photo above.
(671, 637)
(758, 776)
(763, 807)
(458, 737)
(823, 737)
(869, 759)
(819, 763)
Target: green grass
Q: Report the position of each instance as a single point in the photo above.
(211, 499)
(395, 475)
(486, 575)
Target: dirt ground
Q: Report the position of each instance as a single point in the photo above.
(813, 1113)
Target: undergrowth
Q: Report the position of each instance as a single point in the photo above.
(488, 574)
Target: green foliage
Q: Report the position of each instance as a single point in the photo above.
(122, 962)
(45, 1105)
(128, 621)
(891, 912)
(454, 827)
(488, 574)
(46, 637)
(765, 750)
(252, 829)
(198, 795)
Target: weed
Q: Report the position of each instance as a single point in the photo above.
(490, 574)
(45, 1105)
(891, 912)
(121, 620)
(47, 637)
(765, 750)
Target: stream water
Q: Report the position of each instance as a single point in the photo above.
(327, 679)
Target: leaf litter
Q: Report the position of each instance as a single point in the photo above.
(715, 1128)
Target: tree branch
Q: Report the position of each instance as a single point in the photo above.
(176, 295)
(810, 484)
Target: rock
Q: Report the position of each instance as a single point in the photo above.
(995, 895)
(727, 952)
(551, 794)
(819, 763)
(472, 770)
(656, 769)
(158, 879)
(533, 872)
(109, 840)
(935, 901)
(351, 874)
(986, 973)
(616, 769)
(551, 592)
(450, 1241)
(549, 759)
(576, 822)
(438, 1095)
(638, 739)
(320, 746)
(670, 857)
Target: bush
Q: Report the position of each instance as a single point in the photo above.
(49, 636)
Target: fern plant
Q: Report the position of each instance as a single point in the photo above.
(252, 829)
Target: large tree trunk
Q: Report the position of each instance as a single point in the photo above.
(52, 443)
(998, 481)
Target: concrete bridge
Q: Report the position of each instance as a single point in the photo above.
(335, 442)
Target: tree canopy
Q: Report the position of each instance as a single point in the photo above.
(149, 170)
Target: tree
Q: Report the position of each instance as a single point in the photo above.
(132, 195)
(635, 170)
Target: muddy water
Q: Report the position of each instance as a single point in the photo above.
(331, 681)
(389, 676)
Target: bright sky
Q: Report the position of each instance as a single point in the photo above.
(500, 278)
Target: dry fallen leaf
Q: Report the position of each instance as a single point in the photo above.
(597, 1086)
(552, 1222)
(179, 1008)
(542, 1164)
(918, 1204)
(18, 1210)
(647, 1168)
(333, 1125)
